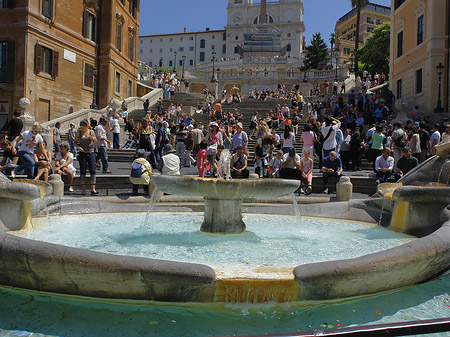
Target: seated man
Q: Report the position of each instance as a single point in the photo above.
(331, 167)
(170, 162)
(384, 165)
(291, 167)
(141, 171)
(239, 164)
(406, 163)
(10, 160)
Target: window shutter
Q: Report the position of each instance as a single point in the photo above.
(37, 58)
(55, 57)
(95, 29)
(85, 23)
(10, 62)
(50, 9)
(131, 48)
(88, 76)
(119, 37)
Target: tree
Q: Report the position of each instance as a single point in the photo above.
(332, 39)
(375, 52)
(316, 52)
(358, 4)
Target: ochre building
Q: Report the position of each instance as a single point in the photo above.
(66, 55)
(419, 43)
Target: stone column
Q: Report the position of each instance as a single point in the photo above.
(27, 118)
(263, 12)
(223, 216)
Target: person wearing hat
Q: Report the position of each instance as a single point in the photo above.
(170, 162)
(30, 139)
(240, 138)
(141, 171)
(331, 167)
(406, 163)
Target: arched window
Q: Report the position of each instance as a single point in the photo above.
(269, 19)
(289, 47)
(202, 43)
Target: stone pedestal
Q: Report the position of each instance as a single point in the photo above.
(27, 118)
(223, 216)
(344, 189)
(57, 184)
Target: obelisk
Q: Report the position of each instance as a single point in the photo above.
(263, 19)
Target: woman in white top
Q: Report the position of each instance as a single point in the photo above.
(414, 144)
(287, 139)
(64, 164)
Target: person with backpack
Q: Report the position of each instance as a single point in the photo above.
(141, 171)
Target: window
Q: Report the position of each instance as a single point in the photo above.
(202, 43)
(369, 29)
(398, 3)
(151, 51)
(236, 50)
(170, 49)
(236, 37)
(224, 49)
(420, 30)
(181, 38)
(191, 48)
(6, 4)
(213, 47)
(400, 44)
(418, 81)
(45, 60)
(47, 9)
(191, 62)
(88, 75)
(399, 89)
(289, 47)
(130, 86)
(180, 63)
(133, 8)
(378, 22)
(171, 39)
(150, 64)
(160, 40)
(224, 36)
(181, 49)
(170, 64)
(213, 37)
(141, 51)
(131, 48)
(369, 20)
(191, 38)
(202, 56)
(160, 50)
(117, 82)
(89, 26)
(119, 37)
(346, 51)
(7, 62)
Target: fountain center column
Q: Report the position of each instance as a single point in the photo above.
(223, 216)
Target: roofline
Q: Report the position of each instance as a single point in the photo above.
(184, 33)
(370, 3)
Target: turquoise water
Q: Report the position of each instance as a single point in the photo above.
(280, 241)
(76, 317)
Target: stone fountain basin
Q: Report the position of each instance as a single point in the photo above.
(231, 189)
(47, 267)
(45, 189)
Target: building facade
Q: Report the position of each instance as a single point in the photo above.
(66, 55)
(419, 43)
(372, 15)
(285, 16)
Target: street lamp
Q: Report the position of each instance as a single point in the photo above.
(440, 70)
(213, 78)
(94, 93)
(182, 72)
(175, 62)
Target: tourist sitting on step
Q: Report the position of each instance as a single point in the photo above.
(406, 163)
(263, 149)
(10, 159)
(331, 167)
(291, 166)
(275, 165)
(141, 171)
(238, 164)
(384, 165)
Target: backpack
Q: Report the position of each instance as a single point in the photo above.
(400, 142)
(136, 170)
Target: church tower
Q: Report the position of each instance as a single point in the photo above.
(283, 17)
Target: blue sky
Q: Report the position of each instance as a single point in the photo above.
(171, 16)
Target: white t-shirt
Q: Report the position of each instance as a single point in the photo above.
(290, 141)
(436, 135)
(63, 161)
(30, 141)
(114, 125)
(330, 143)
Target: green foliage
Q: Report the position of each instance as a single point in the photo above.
(316, 52)
(374, 54)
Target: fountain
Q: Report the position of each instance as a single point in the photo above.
(44, 267)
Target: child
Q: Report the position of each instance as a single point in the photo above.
(275, 165)
(306, 166)
(201, 159)
(130, 142)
